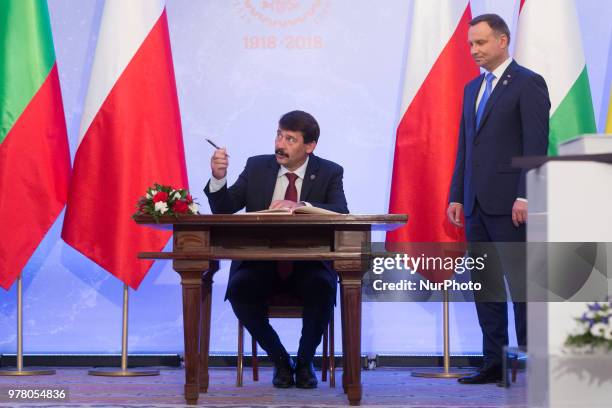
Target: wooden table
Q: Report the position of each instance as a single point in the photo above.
(201, 240)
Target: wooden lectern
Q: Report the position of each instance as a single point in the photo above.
(201, 240)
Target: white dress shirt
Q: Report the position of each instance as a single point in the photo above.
(282, 182)
(498, 72)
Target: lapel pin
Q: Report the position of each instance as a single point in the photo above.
(312, 177)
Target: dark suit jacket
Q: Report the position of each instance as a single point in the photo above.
(515, 123)
(321, 187)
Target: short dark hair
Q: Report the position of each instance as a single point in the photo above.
(300, 121)
(494, 21)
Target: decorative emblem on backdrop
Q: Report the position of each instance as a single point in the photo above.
(281, 18)
(282, 13)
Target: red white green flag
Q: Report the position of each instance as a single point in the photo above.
(554, 50)
(34, 155)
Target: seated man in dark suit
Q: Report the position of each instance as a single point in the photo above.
(290, 178)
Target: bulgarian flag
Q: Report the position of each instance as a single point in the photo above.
(34, 155)
(549, 43)
(437, 68)
(130, 138)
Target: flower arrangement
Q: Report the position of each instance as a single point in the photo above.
(165, 200)
(595, 331)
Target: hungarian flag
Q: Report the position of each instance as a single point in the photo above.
(438, 67)
(554, 50)
(130, 138)
(34, 156)
(609, 117)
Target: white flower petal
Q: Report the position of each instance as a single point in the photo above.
(161, 206)
(598, 329)
(608, 333)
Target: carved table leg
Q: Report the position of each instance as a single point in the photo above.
(205, 328)
(353, 239)
(344, 335)
(351, 303)
(191, 282)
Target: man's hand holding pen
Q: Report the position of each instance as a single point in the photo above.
(219, 163)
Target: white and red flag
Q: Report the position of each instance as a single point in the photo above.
(438, 67)
(130, 138)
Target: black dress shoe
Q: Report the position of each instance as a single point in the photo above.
(284, 368)
(305, 375)
(486, 375)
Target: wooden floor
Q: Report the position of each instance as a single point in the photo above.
(383, 387)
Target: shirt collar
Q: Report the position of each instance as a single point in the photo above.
(300, 171)
(499, 71)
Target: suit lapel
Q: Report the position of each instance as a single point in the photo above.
(471, 101)
(309, 177)
(502, 85)
(270, 181)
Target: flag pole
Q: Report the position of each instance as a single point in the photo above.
(124, 372)
(19, 366)
(446, 357)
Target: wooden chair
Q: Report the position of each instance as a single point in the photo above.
(288, 306)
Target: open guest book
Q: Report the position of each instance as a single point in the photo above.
(298, 210)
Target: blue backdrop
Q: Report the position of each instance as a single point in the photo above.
(236, 74)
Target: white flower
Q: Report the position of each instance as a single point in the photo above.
(193, 207)
(176, 195)
(598, 329)
(590, 315)
(161, 206)
(608, 333)
(151, 194)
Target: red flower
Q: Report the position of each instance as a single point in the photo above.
(160, 196)
(180, 207)
(189, 199)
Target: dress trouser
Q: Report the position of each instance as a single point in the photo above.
(503, 260)
(253, 283)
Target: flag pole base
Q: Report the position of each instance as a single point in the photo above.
(123, 371)
(113, 372)
(446, 373)
(437, 374)
(16, 372)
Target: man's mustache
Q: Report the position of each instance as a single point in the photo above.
(281, 152)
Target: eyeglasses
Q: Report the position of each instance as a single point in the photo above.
(291, 140)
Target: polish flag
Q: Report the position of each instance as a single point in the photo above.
(438, 67)
(130, 138)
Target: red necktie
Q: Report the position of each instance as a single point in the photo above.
(291, 193)
(285, 268)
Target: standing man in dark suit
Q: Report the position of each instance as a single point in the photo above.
(505, 114)
(292, 177)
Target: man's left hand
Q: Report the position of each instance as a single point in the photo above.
(519, 213)
(285, 204)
